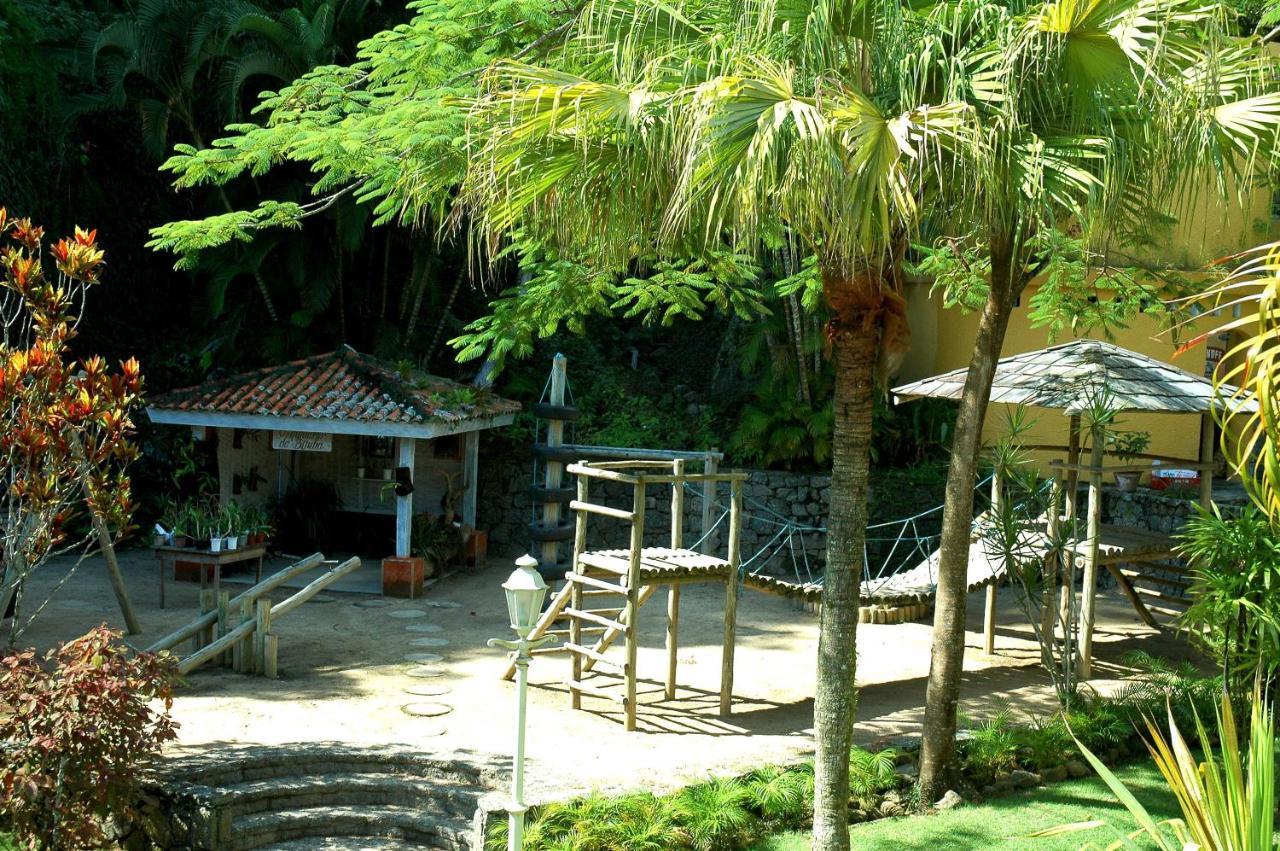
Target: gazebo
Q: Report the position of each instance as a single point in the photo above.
(393, 440)
(1071, 377)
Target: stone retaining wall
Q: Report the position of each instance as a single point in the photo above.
(771, 499)
(505, 509)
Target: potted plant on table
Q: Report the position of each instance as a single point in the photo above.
(1127, 446)
(181, 530)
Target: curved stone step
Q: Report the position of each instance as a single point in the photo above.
(428, 795)
(267, 763)
(341, 843)
(404, 824)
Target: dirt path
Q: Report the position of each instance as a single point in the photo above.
(344, 676)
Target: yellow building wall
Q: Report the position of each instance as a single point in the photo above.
(1174, 435)
(1210, 228)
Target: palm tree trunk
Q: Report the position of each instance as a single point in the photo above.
(947, 661)
(855, 342)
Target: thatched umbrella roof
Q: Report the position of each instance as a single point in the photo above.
(1073, 375)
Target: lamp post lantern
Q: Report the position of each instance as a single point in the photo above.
(525, 590)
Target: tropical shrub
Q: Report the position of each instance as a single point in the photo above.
(1228, 799)
(719, 814)
(77, 727)
(1235, 609)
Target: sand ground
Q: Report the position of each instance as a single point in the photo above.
(344, 675)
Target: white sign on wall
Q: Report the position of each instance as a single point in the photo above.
(302, 441)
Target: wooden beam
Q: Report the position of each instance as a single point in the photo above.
(470, 476)
(709, 467)
(1090, 589)
(553, 471)
(1129, 593)
(731, 597)
(632, 613)
(989, 614)
(673, 592)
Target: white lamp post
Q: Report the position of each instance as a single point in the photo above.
(525, 590)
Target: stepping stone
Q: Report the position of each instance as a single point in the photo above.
(323, 598)
(424, 672)
(433, 730)
(423, 657)
(407, 613)
(426, 690)
(372, 603)
(429, 642)
(424, 627)
(443, 604)
(426, 710)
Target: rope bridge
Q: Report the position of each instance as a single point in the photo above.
(899, 560)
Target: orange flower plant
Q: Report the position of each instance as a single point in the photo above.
(65, 427)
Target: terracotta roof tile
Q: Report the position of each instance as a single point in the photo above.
(340, 385)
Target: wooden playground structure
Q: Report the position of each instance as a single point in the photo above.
(630, 577)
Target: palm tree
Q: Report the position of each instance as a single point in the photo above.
(285, 45)
(1108, 111)
(686, 128)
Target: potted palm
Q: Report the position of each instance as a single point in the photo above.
(1127, 446)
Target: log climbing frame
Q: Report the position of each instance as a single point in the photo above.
(632, 576)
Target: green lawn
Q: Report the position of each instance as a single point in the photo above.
(1005, 822)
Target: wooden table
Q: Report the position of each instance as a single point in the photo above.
(207, 558)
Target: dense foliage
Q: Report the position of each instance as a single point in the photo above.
(1235, 592)
(78, 727)
(738, 812)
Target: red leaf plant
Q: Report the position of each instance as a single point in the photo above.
(65, 427)
(76, 728)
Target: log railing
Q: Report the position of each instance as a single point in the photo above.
(250, 646)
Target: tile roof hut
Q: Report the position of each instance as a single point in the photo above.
(349, 418)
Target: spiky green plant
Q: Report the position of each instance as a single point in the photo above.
(1228, 799)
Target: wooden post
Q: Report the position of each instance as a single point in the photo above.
(262, 614)
(575, 594)
(1070, 514)
(709, 466)
(553, 474)
(1050, 575)
(1090, 589)
(404, 504)
(271, 657)
(633, 600)
(731, 597)
(204, 636)
(470, 476)
(1206, 457)
(224, 606)
(243, 652)
(989, 615)
(673, 591)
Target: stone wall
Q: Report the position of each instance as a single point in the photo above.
(505, 509)
(771, 499)
(1150, 509)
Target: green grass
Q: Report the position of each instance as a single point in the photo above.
(1004, 823)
